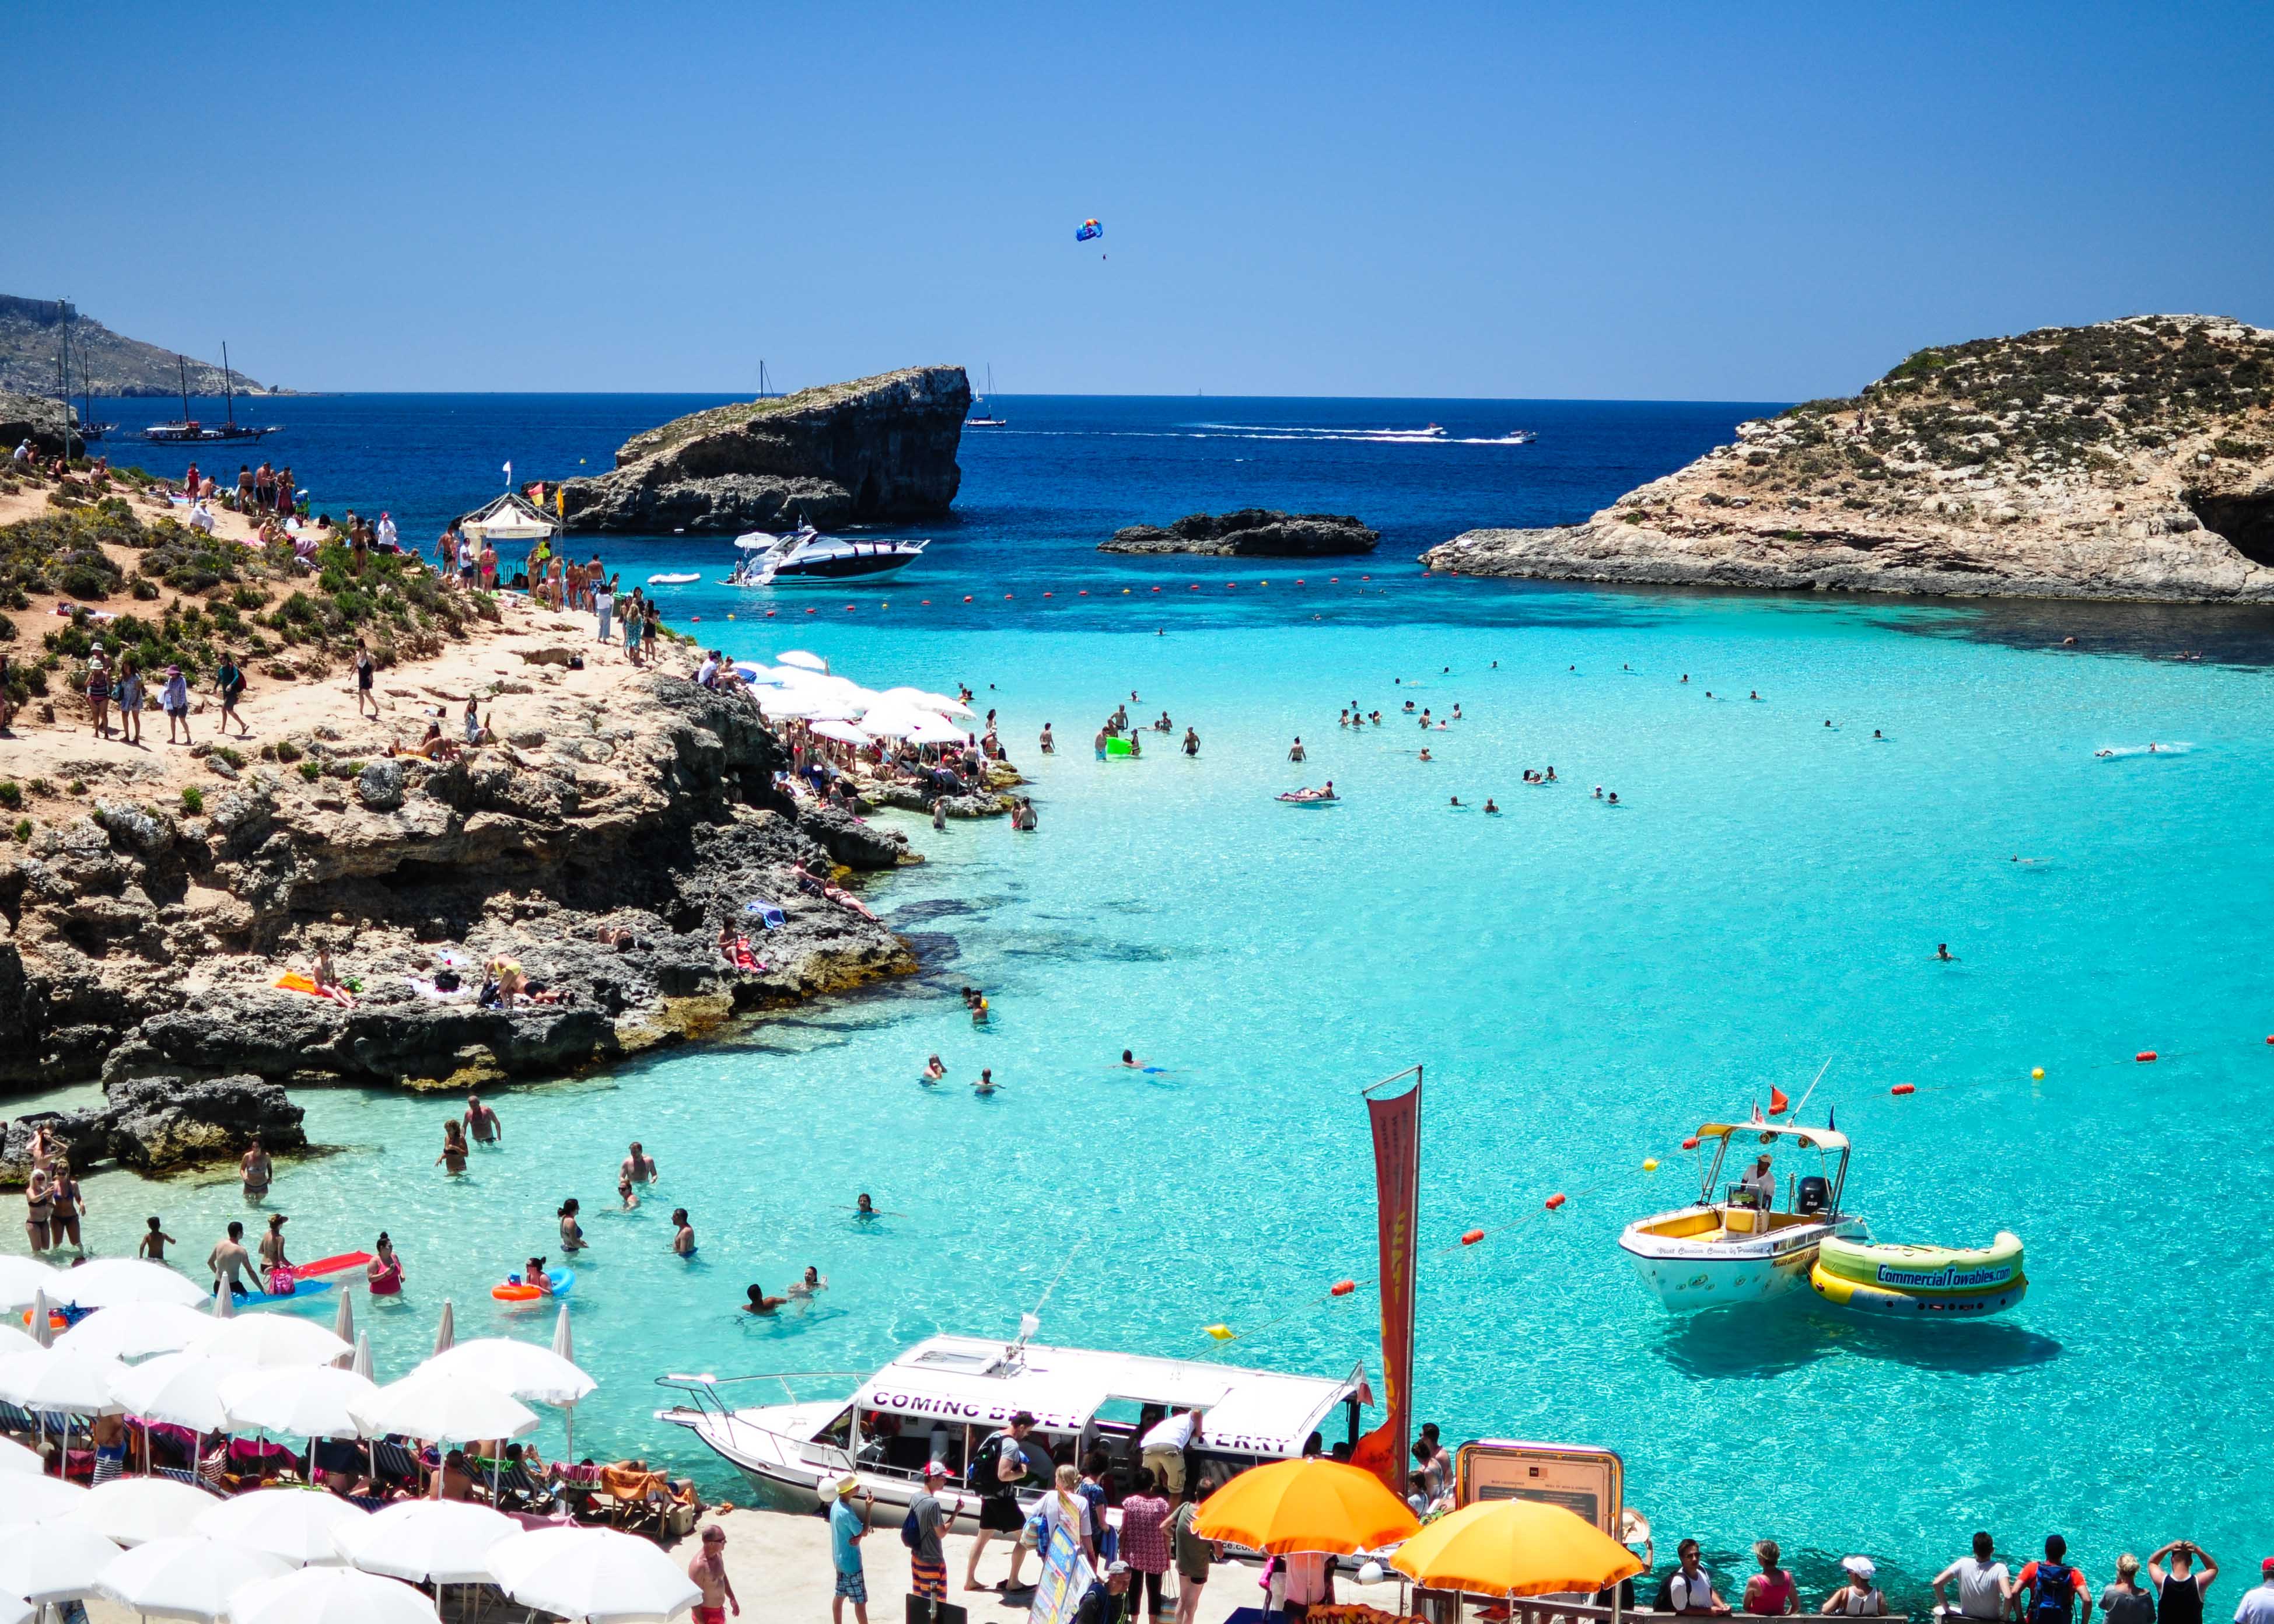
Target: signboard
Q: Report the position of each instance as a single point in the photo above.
(1589, 1483)
(1066, 1579)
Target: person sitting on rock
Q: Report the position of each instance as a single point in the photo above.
(328, 984)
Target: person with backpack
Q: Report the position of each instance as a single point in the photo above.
(920, 1532)
(998, 1467)
(2049, 1589)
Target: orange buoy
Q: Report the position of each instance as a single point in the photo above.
(2145, 1054)
(1690, 1144)
(1342, 1288)
(1904, 1088)
(1471, 1237)
(927, 603)
(1555, 1201)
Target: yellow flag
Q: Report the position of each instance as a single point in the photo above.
(561, 500)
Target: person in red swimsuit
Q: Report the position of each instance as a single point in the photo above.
(709, 1573)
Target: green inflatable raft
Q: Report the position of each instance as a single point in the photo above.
(1958, 1282)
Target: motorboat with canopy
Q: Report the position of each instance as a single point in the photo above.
(943, 1398)
(806, 554)
(1738, 1247)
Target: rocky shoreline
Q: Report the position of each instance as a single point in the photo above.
(1251, 533)
(2132, 460)
(600, 844)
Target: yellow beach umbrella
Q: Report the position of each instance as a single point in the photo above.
(1514, 1547)
(1307, 1504)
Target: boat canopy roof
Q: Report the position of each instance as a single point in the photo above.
(972, 1380)
(1807, 1139)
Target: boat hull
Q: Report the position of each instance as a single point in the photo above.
(1690, 1276)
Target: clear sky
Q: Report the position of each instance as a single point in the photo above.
(1685, 201)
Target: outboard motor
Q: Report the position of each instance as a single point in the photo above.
(1813, 1196)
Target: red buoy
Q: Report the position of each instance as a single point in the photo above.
(1904, 1088)
(2145, 1054)
(1555, 1201)
(966, 598)
(1690, 1144)
(1473, 1237)
(769, 614)
(1342, 1288)
(1045, 595)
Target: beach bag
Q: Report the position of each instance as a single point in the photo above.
(2052, 1597)
(911, 1533)
(282, 1282)
(985, 1463)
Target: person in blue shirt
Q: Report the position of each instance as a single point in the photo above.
(847, 1527)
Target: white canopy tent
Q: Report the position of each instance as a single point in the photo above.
(511, 517)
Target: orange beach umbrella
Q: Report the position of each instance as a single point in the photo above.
(1306, 1505)
(1514, 1547)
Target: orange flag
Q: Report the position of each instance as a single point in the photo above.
(1778, 1103)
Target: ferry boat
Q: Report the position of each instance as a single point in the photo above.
(1732, 1251)
(806, 554)
(943, 1398)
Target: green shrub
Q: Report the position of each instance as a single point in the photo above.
(311, 771)
(193, 799)
(77, 786)
(287, 751)
(229, 753)
(11, 793)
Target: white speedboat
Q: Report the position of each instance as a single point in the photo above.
(1738, 1250)
(806, 554)
(943, 1398)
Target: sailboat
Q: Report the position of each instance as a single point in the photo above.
(190, 429)
(981, 418)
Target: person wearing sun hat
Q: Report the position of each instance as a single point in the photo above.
(2257, 1604)
(1859, 1598)
(848, 1525)
(173, 697)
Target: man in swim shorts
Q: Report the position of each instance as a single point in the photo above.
(639, 1166)
(482, 1124)
(708, 1573)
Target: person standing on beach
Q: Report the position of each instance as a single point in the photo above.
(228, 1258)
(604, 606)
(847, 1527)
(708, 1572)
(1193, 1557)
(229, 679)
(2052, 1587)
(650, 625)
(129, 702)
(928, 1557)
(98, 692)
(998, 1467)
(1985, 1589)
(174, 698)
(255, 1172)
(2257, 1604)
(1145, 1546)
(482, 1124)
(366, 668)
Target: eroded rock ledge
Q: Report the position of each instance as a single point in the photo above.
(2134, 459)
(1251, 533)
(875, 450)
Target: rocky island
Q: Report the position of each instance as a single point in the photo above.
(876, 450)
(1252, 532)
(30, 337)
(2132, 459)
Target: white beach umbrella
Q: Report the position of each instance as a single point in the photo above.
(527, 1372)
(343, 1327)
(891, 721)
(299, 1526)
(107, 1282)
(223, 1303)
(19, 1279)
(310, 1401)
(186, 1577)
(49, 1379)
(40, 1323)
(272, 1341)
(14, 1611)
(53, 1563)
(564, 1349)
(918, 699)
(934, 730)
(330, 1596)
(802, 660)
(445, 1408)
(134, 1511)
(27, 1499)
(362, 1366)
(844, 733)
(427, 1541)
(756, 541)
(793, 706)
(16, 1458)
(181, 1388)
(593, 1574)
(136, 1330)
(13, 1340)
(446, 1333)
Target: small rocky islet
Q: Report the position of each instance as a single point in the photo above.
(2131, 459)
(1250, 532)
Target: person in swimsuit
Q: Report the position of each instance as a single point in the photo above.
(365, 669)
(383, 1275)
(482, 1124)
(228, 1259)
(761, 1304)
(69, 1204)
(682, 1234)
(255, 1172)
(155, 1242)
(38, 1207)
(986, 1083)
(532, 1273)
(863, 1207)
(708, 1573)
(933, 1072)
(2180, 1588)
(625, 1195)
(1489, 807)
(272, 1246)
(1770, 1591)
(452, 1159)
(810, 1286)
(572, 1233)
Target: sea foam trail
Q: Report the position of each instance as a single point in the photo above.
(2119, 752)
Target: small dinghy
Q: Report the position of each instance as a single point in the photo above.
(673, 580)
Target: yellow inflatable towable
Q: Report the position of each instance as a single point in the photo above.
(1958, 1282)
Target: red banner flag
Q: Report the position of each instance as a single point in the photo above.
(1398, 1177)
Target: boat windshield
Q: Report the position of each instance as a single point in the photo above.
(1814, 1187)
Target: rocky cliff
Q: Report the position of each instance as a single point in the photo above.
(602, 844)
(875, 450)
(2134, 459)
(30, 336)
(42, 422)
(1252, 532)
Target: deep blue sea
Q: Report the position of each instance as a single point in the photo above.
(1584, 984)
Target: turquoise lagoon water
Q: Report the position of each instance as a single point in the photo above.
(1584, 984)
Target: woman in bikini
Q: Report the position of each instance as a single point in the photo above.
(452, 1159)
(39, 1205)
(572, 1233)
(66, 1205)
(254, 1171)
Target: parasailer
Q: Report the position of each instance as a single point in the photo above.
(1088, 231)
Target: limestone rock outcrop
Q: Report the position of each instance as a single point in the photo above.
(2133, 459)
(873, 451)
(1251, 533)
(156, 1124)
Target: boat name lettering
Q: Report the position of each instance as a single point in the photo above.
(963, 1409)
(1949, 1278)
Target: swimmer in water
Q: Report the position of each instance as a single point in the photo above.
(682, 1235)
(1881, 737)
(1613, 798)
(808, 1287)
(572, 1233)
(1425, 753)
(1456, 800)
(933, 1072)
(1598, 791)
(2103, 755)
(1129, 1059)
(1457, 712)
(1551, 772)
(1754, 693)
(532, 1273)
(863, 1207)
(986, 1083)
(761, 1304)
(625, 1193)
(1489, 807)
(1685, 676)
(1942, 952)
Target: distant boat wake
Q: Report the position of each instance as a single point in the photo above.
(2119, 752)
